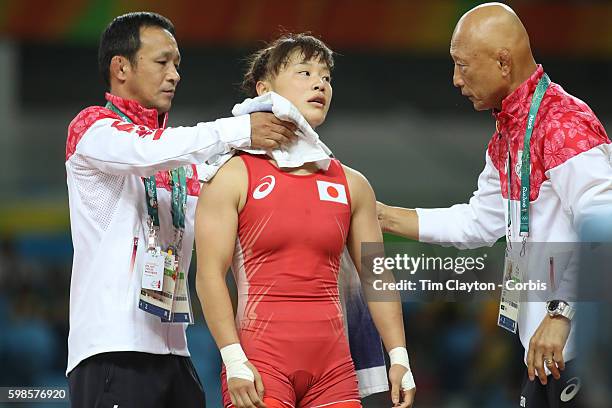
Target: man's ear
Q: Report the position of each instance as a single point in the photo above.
(504, 61)
(119, 68)
(262, 87)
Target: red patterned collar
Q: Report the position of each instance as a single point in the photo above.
(511, 105)
(136, 112)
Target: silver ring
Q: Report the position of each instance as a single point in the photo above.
(548, 361)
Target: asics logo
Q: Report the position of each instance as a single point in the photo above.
(264, 188)
(571, 390)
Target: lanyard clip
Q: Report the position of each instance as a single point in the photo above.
(178, 239)
(152, 236)
(509, 238)
(524, 245)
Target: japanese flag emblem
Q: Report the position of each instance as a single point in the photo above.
(332, 192)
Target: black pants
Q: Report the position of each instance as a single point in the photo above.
(135, 380)
(561, 393)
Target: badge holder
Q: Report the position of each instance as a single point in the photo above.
(181, 307)
(510, 301)
(168, 296)
(157, 298)
(181, 310)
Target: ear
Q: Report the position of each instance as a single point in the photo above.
(262, 87)
(119, 68)
(504, 61)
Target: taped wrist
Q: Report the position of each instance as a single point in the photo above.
(234, 360)
(399, 355)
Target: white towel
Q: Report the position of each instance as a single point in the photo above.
(307, 149)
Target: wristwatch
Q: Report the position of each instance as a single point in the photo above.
(559, 308)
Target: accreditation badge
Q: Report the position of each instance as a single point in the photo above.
(153, 269)
(181, 310)
(169, 292)
(159, 303)
(510, 301)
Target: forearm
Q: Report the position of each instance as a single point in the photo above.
(401, 221)
(387, 317)
(218, 311)
(219, 315)
(385, 308)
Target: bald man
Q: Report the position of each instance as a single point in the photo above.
(565, 157)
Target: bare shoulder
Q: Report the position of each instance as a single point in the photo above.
(233, 171)
(357, 182)
(360, 189)
(230, 182)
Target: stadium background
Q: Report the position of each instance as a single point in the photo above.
(395, 116)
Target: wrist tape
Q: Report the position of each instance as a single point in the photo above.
(399, 355)
(234, 359)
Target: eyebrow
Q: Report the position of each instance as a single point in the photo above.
(455, 56)
(310, 64)
(169, 54)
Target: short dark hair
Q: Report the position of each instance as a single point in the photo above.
(122, 37)
(269, 60)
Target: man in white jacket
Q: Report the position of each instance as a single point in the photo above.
(122, 351)
(562, 151)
